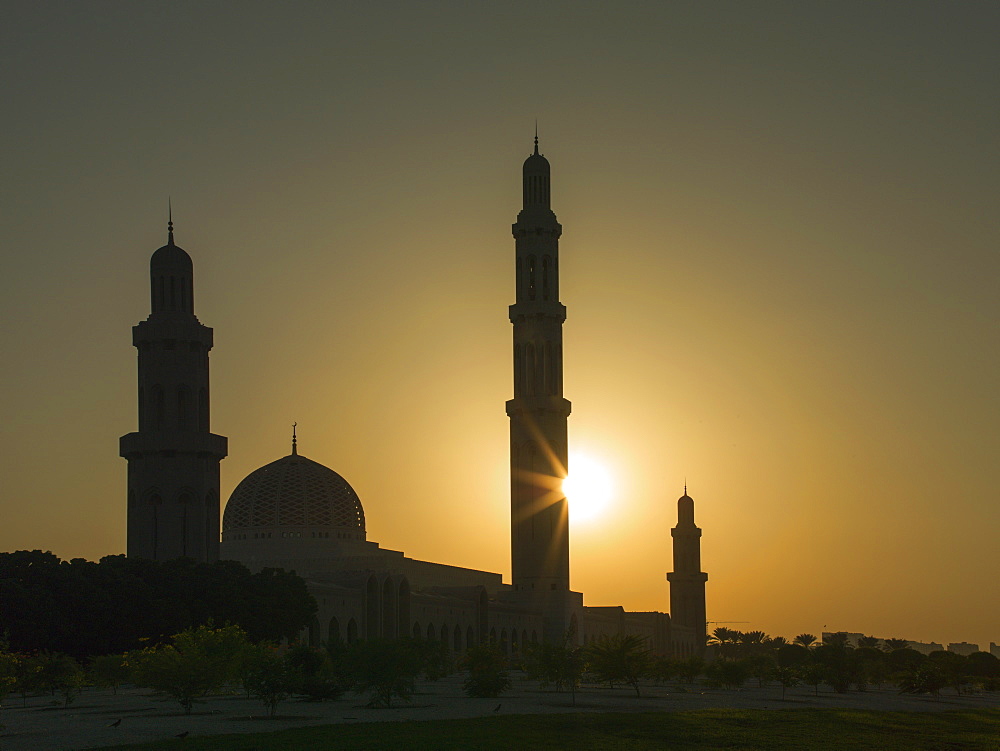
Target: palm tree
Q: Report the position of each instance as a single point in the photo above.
(804, 640)
(891, 645)
(868, 641)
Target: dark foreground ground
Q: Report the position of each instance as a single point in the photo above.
(440, 716)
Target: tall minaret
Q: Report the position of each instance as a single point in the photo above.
(173, 460)
(538, 411)
(687, 581)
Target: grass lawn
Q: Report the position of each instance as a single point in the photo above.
(836, 730)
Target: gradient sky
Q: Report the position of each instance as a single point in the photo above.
(779, 258)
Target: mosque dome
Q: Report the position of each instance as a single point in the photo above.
(172, 257)
(294, 492)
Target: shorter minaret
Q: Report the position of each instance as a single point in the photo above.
(173, 459)
(687, 580)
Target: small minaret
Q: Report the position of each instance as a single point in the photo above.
(687, 581)
(538, 411)
(173, 459)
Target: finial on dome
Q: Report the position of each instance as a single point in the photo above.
(170, 222)
(295, 449)
(685, 486)
(536, 135)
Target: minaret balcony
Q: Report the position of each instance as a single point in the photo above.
(537, 309)
(134, 445)
(533, 405)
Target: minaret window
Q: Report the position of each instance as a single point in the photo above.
(531, 277)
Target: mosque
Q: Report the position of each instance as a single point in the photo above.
(297, 514)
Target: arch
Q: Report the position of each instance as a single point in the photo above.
(352, 631)
(529, 369)
(173, 293)
(538, 375)
(183, 406)
(504, 647)
(155, 502)
(493, 636)
(203, 409)
(157, 405)
(334, 631)
(534, 637)
(186, 503)
(403, 608)
(470, 638)
(458, 639)
(531, 277)
(389, 609)
(314, 636)
(524, 638)
(371, 608)
(417, 633)
(430, 632)
(513, 641)
(483, 612)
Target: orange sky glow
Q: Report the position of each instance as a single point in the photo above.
(779, 259)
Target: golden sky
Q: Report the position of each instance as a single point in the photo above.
(779, 258)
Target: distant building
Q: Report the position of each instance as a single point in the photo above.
(963, 648)
(994, 650)
(297, 514)
(926, 648)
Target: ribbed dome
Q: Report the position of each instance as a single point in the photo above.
(170, 258)
(294, 492)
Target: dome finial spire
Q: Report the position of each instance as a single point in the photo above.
(536, 135)
(295, 448)
(170, 222)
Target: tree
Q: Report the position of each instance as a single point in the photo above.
(928, 678)
(58, 673)
(488, 676)
(804, 640)
(787, 677)
(312, 673)
(384, 668)
(868, 641)
(728, 673)
(199, 661)
(560, 665)
(109, 671)
(266, 676)
(891, 645)
(689, 669)
(619, 658)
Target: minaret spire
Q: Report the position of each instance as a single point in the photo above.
(295, 450)
(536, 135)
(170, 222)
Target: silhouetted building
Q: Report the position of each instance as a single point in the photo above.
(963, 648)
(297, 514)
(925, 648)
(539, 520)
(173, 459)
(687, 580)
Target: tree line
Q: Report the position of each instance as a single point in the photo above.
(85, 609)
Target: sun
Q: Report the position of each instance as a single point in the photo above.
(588, 488)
